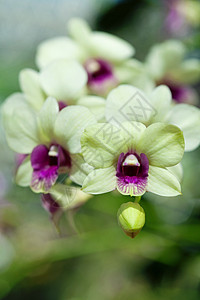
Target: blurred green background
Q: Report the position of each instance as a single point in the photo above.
(92, 259)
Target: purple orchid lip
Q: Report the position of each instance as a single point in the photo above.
(183, 94)
(62, 105)
(180, 93)
(132, 173)
(47, 163)
(100, 75)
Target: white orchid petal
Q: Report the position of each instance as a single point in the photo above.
(80, 169)
(163, 144)
(177, 171)
(79, 30)
(56, 48)
(16, 101)
(164, 57)
(128, 103)
(187, 73)
(47, 117)
(63, 79)
(161, 100)
(110, 47)
(102, 143)
(24, 173)
(70, 124)
(95, 104)
(20, 123)
(134, 72)
(187, 118)
(162, 182)
(30, 85)
(100, 181)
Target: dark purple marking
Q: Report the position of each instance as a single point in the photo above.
(132, 179)
(100, 75)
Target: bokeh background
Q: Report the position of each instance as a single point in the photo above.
(92, 259)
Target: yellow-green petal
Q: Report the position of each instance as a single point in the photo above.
(30, 85)
(24, 173)
(162, 182)
(128, 103)
(20, 123)
(56, 48)
(101, 143)
(187, 118)
(95, 104)
(46, 119)
(100, 181)
(69, 126)
(80, 169)
(63, 79)
(110, 47)
(163, 144)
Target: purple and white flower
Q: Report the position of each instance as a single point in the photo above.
(167, 64)
(101, 54)
(49, 139)
(134, 159)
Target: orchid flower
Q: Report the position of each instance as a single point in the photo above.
(182, 15)
(62, 79)
(105, 57)
(166, 64)
(128, 103)
(132, 158)
(49, 139)
(63, 197)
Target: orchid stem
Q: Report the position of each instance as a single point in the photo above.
(137, 199)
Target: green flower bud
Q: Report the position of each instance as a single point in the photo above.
(131, 218)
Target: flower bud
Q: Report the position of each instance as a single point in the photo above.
(131, 218)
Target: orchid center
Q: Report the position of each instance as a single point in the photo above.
(180, 93)
(100, 75)
(62, 105)
(130, 166)
(132, 173)
(47, 163)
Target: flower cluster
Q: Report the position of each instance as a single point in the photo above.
(93, 120)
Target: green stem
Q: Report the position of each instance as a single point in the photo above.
(137, 199)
